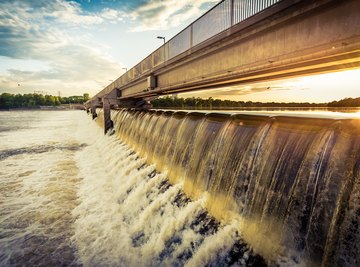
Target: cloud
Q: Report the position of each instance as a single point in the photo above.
(112, 14)
(158, 14)
(51, 32)
(71, 13)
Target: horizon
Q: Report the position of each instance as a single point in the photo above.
(172, 96)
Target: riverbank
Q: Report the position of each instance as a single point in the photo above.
(60, 107)
(331, 109)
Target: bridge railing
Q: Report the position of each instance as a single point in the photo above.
(221, 17)
(180, 43)
(213, 22)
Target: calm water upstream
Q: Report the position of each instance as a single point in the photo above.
(70, 196)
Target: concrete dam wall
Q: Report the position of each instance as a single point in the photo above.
(290, 185)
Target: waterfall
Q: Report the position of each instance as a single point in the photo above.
(288, 185)
(130, 215)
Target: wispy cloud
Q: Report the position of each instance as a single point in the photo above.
(71, 13)
(50, 31)
(158, 14)
(60, 35)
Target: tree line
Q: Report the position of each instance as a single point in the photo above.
(8, 100)
(210, 103)
(346, 102)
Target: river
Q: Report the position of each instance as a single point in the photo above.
(70, 196)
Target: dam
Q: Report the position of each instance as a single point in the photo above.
(244, 189)
(287, 187)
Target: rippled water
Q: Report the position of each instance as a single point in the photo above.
(38, 186)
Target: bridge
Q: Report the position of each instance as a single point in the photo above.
(240, 42)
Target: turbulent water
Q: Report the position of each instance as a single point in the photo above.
(178, 189)
(39, 178)
(71, 196)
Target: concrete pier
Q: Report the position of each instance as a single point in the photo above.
(110, 101)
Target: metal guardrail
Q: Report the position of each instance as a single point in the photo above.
(224, 15)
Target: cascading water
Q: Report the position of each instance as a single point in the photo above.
(287, 186)
(130, 215)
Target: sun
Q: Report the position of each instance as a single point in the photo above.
(340, 78)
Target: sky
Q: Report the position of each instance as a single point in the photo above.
(75, 47)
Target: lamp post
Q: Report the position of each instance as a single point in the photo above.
(124, 69)
(161, 37)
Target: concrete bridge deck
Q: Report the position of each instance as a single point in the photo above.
(244, 41)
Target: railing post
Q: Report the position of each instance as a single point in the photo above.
(231, 12)
(191, 35)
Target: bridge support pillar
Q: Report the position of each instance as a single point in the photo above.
(110, 100)
(94, 104)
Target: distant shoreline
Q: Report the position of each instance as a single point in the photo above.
(262, 108)
(78, 107)
(48, 108)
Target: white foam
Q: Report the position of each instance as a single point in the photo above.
(121, 203)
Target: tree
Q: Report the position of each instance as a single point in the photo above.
(40, 100)
(86, 97)
(6, 100)
(49, 100)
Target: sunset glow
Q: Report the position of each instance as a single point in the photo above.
(316, 88)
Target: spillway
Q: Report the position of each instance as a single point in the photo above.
(281, 190)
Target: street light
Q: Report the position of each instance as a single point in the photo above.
(125, 69)
(161, 37)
